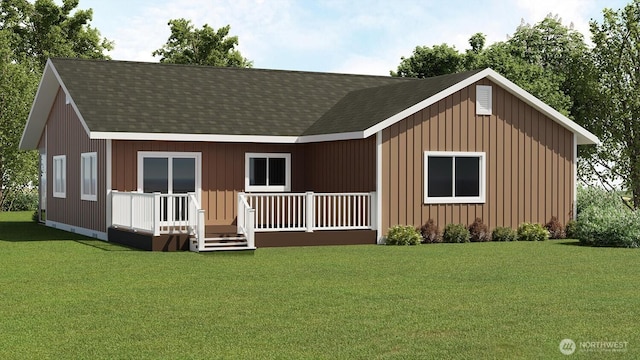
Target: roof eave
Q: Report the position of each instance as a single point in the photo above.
(45, 96)
(41, 107)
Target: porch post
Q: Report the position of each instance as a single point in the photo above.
(251, 214)
(310, 218)
(201, 229)
(240, 213)
(156, 214)
(373, 210)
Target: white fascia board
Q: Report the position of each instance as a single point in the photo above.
(226, 138)
(331, 137)
(42, 103)
(193, 137)
(584, 137)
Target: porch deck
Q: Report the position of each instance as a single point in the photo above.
(170, 222)
(180, 241)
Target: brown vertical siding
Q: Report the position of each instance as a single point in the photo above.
(66, 136)
(528, 155)
(339, 166)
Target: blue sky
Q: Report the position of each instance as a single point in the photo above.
(360, 37)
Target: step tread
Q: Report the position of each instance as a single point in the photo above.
(228, 248)
(227, 244)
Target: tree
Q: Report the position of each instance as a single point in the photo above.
(206, 46)
(617, 111)
(29, 35)
(430, 61)
(17, 84)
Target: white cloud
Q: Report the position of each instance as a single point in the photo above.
(331, 35)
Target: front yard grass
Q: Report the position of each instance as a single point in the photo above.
(64, 296)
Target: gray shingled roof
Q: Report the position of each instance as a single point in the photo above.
(119, 96)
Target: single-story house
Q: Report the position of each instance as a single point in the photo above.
(167, 157)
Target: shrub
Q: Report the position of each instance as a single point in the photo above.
(504, 234)
(570, 230)
(532, 232)
(21, 200)
(478, 231)
(430, 232)
(403, 235)
(455, 233)
(594, 196)
(609, 226)
(555, 229)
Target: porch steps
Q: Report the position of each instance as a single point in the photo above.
(223, 242)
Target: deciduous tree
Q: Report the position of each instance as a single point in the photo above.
(616, 113)
(206, 46)
(30, 33)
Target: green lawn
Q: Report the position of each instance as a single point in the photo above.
(63, 296)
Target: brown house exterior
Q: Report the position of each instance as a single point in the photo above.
(450, 148)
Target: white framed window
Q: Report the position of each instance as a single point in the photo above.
(89, 176)
(267, 172)
(454, 177)
(483, 100)
(60, 176)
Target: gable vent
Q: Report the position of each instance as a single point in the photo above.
(483, 99)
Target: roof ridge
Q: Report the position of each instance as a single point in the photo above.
(226, 68)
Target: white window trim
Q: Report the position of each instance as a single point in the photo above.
(456, 199)
(480, 108)
(171, 155)
(94, 175)
(63, 159)
(268, 188)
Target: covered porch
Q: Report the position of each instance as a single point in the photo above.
(156, 221)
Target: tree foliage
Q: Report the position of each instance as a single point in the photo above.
(206, 46)
(30, 33)
(430, 61)
(616, 112)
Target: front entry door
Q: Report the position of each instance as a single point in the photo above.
(175, 173)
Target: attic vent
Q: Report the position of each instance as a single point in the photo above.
(483, 100)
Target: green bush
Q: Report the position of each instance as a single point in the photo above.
(594, 196)
(430, 232)
(456, 233)
(570, 230)
(403, 235)
(532, 232)
(504, 234)
(21, 200)
(609, 226)
(478, 231)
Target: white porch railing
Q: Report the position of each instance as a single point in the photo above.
(246, 221)
(157, 213)
(309, 211)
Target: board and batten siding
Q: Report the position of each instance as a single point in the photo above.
(341, 166)
(66, 136)
(529, 174)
